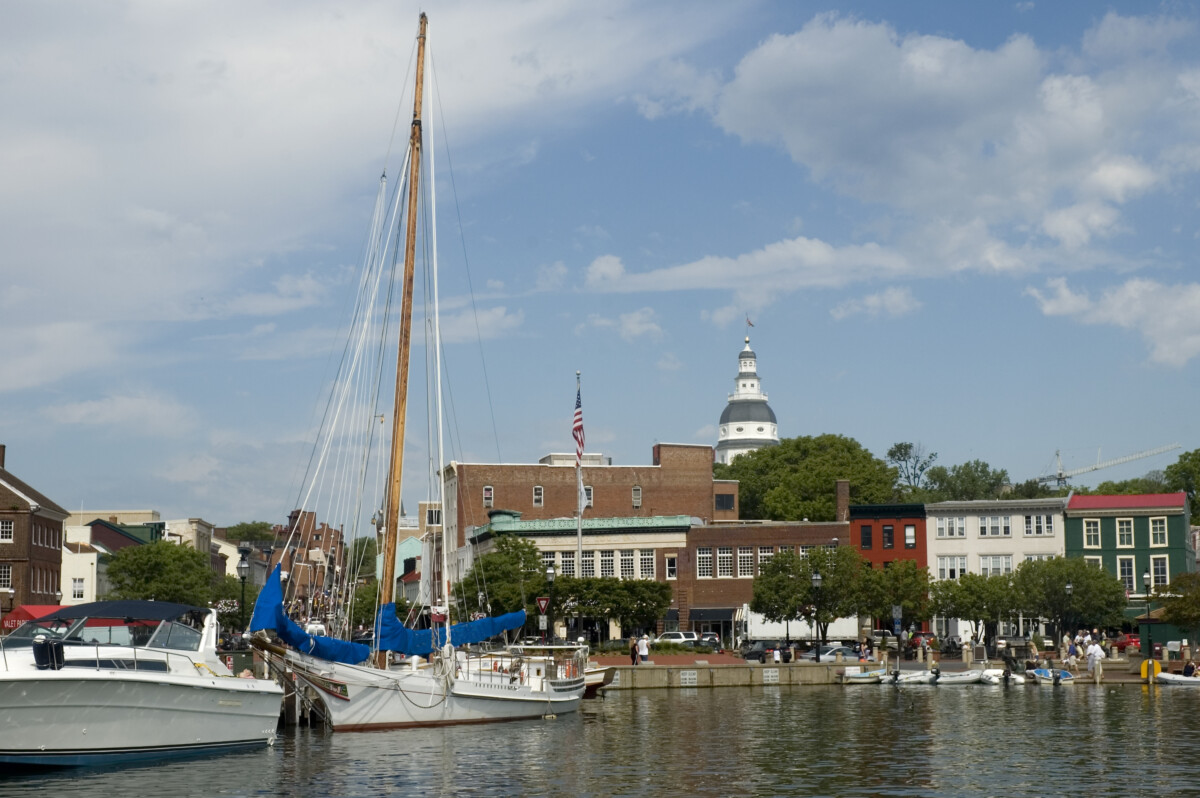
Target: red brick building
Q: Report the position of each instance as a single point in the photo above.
(678, 481)
(314, 559)
(883, 533)
(31, 541)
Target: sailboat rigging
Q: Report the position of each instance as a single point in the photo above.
(442, 682)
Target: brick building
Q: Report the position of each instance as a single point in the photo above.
(678, 481)
(313, 561)
(31, 541)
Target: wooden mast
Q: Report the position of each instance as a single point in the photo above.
(396, 469)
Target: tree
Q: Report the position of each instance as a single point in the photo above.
(798, 478)
(161, 571)
(363, 554)
(632, 603)
(227, 598)
(1181, 605)
(366, 603)
(780, 591)
(1033, 489)
(508, 579)
(784, 591)
(1096, 598)
(911, 461)
(1152, 482)
(251, 531)
(1184, 475)
(965, 482)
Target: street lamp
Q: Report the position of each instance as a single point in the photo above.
(243, 570)
(550, 604)
(1146, 583)
(816, 586)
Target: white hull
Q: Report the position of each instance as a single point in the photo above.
(1050, 676)
(869, 677)
(358, 698)
(915, 677)
(1178, 679)
(996, 676)
(965, 677)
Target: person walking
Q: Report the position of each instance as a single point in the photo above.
(1095, 657)
(644, 648)
(633, 651)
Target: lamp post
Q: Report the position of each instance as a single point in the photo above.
(1146, 583)
(1069, 589)
(550, 604)
(816, 586)
(243, 570)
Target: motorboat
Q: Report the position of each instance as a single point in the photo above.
(1052, 676)
(854, 676)
(972, 676)
(1001, 676)
(596, 678)
(1178, 679)
(117, 681)
(913, 677)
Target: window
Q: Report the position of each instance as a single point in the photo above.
(725, 561)
(723, 501)
(487, 495)
(765, 553)
(1038, 557)
(547, 561)
(864, 538)
(670, 564)
(1125, 573)
(5, 575)
(951, 528)
(77, 587)
(1158, 571)
(647, 563)
(587, 493)
(1091, 533)
(433, 516)
(568, 563)
(637, 496)
(746, 562)
(1124, 533)
(910, 536)
(1158, 532)
(704, 565)
(888, 536)
(1039, 525)
(539, 495)
(627, 564)
(951, 567)
(995, 526)
(587, 565)
(606, 563)
(990, 565)
(6, 531)
(1095, 562)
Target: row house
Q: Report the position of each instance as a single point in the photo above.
(313, 561)
(31, 543)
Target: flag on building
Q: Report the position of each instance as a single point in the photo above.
(577, 434)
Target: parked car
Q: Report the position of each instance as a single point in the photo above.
(914, 640)
(1124, 641)
(710, 639)
(880, 635)
(830, 654)
(681, 638)
(952, 645)
(764, 651)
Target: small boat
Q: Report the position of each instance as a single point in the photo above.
(913, 677)
(1178, 679)
(111, 682)
(963, 677)
(1001, 676)
(863, 677)
(1052, 676)
(596, 678)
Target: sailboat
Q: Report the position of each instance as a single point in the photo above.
(440, 681)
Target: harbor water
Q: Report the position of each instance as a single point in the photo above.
(866, 740)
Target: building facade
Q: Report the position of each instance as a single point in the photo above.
(31, 543)
(747, 423)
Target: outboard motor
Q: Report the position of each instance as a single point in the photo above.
(895, 677)
(1007, 675)
(937, 674)
(47, 653)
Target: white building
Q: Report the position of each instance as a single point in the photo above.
(748, 423)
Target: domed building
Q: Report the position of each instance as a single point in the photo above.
(748, 422)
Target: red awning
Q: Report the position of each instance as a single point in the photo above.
(28, 612)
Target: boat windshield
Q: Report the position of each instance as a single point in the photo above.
(110, 632)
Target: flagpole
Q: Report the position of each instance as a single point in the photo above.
(577, 432)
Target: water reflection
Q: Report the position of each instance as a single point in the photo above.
(864, 740)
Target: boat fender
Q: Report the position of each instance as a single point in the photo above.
(47, 653)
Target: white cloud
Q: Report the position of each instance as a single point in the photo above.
(43, 354)
(550, 277)
(669, 362)
(1075, 226)
(892, 303)
(135, 413)
(467, 326)
(630, 326)
(605, 272)
(1167, 316)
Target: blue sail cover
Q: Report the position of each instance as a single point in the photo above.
(395, 636)
(269, 614)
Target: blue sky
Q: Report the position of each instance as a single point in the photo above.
(971, 226)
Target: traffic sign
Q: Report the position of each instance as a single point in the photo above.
(543, 603)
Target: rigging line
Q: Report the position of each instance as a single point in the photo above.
(466, 259)
(400, 104)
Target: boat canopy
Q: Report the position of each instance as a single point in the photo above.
(395, 636)
(128, 608)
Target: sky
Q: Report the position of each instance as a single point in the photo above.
(972, 226)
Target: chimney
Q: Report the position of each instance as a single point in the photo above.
(112, 519)
(1, 455)
(843, 500)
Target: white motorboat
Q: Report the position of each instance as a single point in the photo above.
(913, 677)
(960, 677)
(854, 676)
(1178, 679)
(1052, 676)
(1001, 676)
(117, 681)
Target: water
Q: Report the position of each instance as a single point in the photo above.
(808, 741)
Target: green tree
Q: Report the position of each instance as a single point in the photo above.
(227, 598)
(1181, 605)
(798, 478)
(366, 603)
(1033, 489)
(161, 571)
(780, 590)
(362, 557)
(1096, 598)
(1152, 482)
(508, 578)
(965, 482)
(911, 462)
(1184, 475)
(252, 531)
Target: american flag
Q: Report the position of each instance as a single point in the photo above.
(577, 427)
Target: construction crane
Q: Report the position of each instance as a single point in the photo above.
(1062, 476)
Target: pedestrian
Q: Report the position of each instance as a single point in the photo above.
(644, 648)
(1095, 656)
(1072, 661)
(777, 655)
(633, 651)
